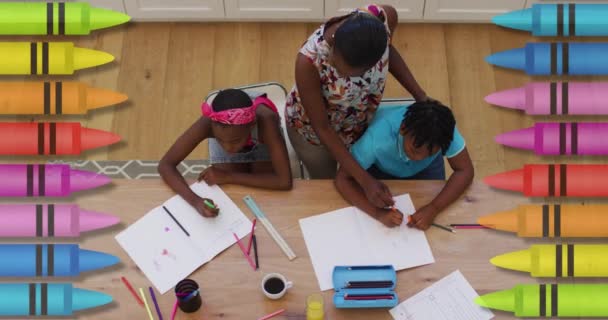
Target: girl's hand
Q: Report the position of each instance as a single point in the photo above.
(423, 218)
(390, 218)
(213, 175)
(201, 205)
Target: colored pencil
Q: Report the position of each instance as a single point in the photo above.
(244, 251)
(160, 315)
(251, 236)
(177, 222)
(174, 311)
(368, 297)
(444, 228)
(143, 296)
(255, 252)
(368, 267)
(467, 226)
(126, 282)
(272, 315)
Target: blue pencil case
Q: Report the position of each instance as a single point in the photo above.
(365, 286)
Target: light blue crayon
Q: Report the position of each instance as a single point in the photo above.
(558, 19)
(555, 58)
(53, 299)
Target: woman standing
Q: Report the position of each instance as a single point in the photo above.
(340, 77)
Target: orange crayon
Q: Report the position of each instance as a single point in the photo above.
(549, 221)
(54, 98)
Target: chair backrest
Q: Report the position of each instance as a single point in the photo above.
(392, 102)
(277, 93)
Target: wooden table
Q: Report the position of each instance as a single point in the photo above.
(231, 290)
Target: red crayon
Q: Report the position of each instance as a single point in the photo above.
(368, 297)
(51, 138)
(554, 180)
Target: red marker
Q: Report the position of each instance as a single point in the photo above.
(554, 180)
(51, 138)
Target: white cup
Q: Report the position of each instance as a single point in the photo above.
(279, 293)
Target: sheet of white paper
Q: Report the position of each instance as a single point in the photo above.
(165, 254)
(451, 298)
(350, 237)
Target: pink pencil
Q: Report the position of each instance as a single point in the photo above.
(251, 263)
(274, 314)
(251, 236)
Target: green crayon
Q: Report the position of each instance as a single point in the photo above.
(550, 300)
(55, 18)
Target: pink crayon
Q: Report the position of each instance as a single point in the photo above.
(560, 138)
(549, 98)
(50, 220)
(52, 180)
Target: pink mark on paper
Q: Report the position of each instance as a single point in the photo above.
(167, 229)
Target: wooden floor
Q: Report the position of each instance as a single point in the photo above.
(167, 69)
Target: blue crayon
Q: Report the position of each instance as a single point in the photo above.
(560, 20)
(555, 58)
(59, 260)
(52, 299)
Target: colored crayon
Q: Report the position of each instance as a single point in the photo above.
(50, 220)
(562, 260)
(59, 18)
(54, 98)
(558, 19)
(549, 98)
(52, 260)
(42, 58)
(65, 138)
(554, 180)
(555, 58)
(52, 299)
(550, 300)
(50, 180)
(548, 221)
(559, 138)
(368, 297)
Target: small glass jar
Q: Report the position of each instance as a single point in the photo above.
(314, 307)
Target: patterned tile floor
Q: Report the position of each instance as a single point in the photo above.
(135, 169)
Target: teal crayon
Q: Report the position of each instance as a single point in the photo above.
(47, 299)
(562, 20)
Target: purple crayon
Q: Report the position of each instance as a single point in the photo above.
(50, 220)
(560, 138)
(544, 98)
(51, 180)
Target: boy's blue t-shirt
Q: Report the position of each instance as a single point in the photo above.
(382, 145)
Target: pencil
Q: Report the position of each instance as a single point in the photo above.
(251, 236)
(126, 282)
(368, 297)
(143, 296)
(255, 252)
(274, 314)
(160, 315)
(444, 227)
(174, 311)
(244, 251)
(177, 222)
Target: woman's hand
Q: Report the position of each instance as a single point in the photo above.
(378, 193)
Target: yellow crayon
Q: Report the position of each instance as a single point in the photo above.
(39, 58)
(549, 260)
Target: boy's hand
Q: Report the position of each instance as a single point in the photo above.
(390, 218)
(213, 175)
(204, 209)
(423, 218)
(378, 193)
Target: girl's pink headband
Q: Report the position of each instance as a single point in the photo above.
(236, 116)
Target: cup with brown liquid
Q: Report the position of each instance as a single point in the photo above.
(275, 285)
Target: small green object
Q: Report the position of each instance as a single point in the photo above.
(209, 204)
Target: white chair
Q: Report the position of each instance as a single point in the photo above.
(277, 93)
(393, 102)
